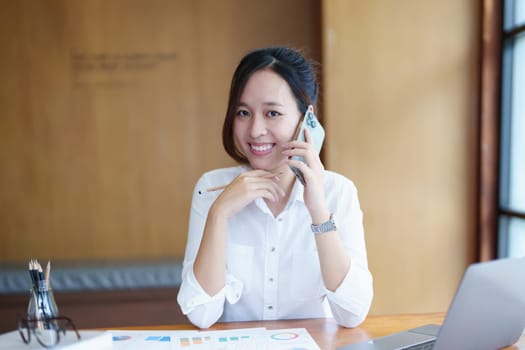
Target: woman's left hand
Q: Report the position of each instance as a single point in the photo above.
(313, 171)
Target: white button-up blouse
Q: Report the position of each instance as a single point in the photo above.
(273, 269)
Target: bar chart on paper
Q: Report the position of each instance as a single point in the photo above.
(234, 340)
(242, 339)
(237, 339)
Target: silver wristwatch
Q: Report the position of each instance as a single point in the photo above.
(327, 226)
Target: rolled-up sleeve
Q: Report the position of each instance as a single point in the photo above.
(202, 309)
(351, 301)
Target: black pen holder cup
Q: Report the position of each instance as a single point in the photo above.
(42, 306)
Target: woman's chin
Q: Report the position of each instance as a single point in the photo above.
(273, 167)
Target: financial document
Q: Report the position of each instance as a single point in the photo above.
(235, 339)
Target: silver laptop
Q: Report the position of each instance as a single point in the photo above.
(488, 312)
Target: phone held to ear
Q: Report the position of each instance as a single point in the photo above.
(310, 122)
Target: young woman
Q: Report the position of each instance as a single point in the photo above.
(261, 246)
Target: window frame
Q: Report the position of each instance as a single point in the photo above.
(495, 119)
(490, 91)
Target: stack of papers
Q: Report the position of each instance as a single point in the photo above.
(234, 339)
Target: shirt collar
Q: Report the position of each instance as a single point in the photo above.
(297, 192)
(296, 195)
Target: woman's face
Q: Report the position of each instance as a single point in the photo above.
(266, 118)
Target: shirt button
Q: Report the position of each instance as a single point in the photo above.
(270, 279)
(280, 219)
(270, 307)
(272, 249)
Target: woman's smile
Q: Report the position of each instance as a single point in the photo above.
(261, 149)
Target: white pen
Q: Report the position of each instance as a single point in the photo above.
(222, 187)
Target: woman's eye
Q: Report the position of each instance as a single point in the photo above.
(242, 113)
(273, 114)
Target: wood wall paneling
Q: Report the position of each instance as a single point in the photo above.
(401, 84)
(110, 112)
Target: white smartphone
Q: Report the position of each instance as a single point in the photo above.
(308, 121)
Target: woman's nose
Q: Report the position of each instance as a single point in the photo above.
(258, 127)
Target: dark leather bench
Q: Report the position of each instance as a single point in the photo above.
(101, 293)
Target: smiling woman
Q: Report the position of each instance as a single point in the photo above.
(266, 247)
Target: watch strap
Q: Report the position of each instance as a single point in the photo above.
(326, 226)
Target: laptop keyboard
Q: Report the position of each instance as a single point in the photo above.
(424, 346)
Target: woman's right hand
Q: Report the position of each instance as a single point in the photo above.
(244, 189)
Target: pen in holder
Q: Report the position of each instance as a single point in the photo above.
(42, 306)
